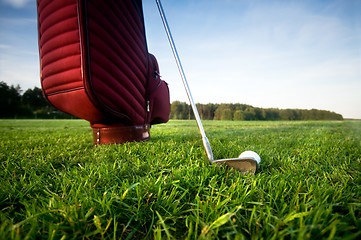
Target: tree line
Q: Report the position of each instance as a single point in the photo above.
(15, 103)
(244, 112)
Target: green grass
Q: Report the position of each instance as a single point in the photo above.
(56, 185)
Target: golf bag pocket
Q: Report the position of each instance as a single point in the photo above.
(159, 105)
(158, 102)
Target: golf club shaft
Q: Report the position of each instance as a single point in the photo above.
(206, 144)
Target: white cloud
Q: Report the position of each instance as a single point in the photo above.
(4, 46)
(20, 67)
(16, 3)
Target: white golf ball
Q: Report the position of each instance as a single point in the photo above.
(251, 154)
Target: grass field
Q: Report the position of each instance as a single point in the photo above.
(56, 185)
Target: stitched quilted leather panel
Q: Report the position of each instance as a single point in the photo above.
(59, 46)
(118, 56)
(60, 59)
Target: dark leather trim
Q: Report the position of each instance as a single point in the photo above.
(120, 134)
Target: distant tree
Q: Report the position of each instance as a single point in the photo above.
(180, 110)
(238, 115)
(249, 114)
(211, 110)
(34, 99)
(260, 114)
(237, 111)
(217, 114)
(174, 109)
(10, 100)
(206, 111)
(226, 114)
(337, 116)
(287, 114)
(272, 114)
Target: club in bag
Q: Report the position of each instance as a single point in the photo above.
(248, 161)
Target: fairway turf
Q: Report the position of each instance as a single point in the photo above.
(55, 184)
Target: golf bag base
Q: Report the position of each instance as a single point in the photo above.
(120, 134)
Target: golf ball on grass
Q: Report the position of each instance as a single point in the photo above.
(251, 154)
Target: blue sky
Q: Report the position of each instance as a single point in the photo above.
(282, 54)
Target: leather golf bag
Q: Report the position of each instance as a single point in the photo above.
(95, 65)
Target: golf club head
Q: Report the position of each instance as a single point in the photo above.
(246, 165)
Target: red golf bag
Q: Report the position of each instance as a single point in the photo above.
(95, 65)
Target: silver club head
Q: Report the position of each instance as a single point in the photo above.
(246, 165)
